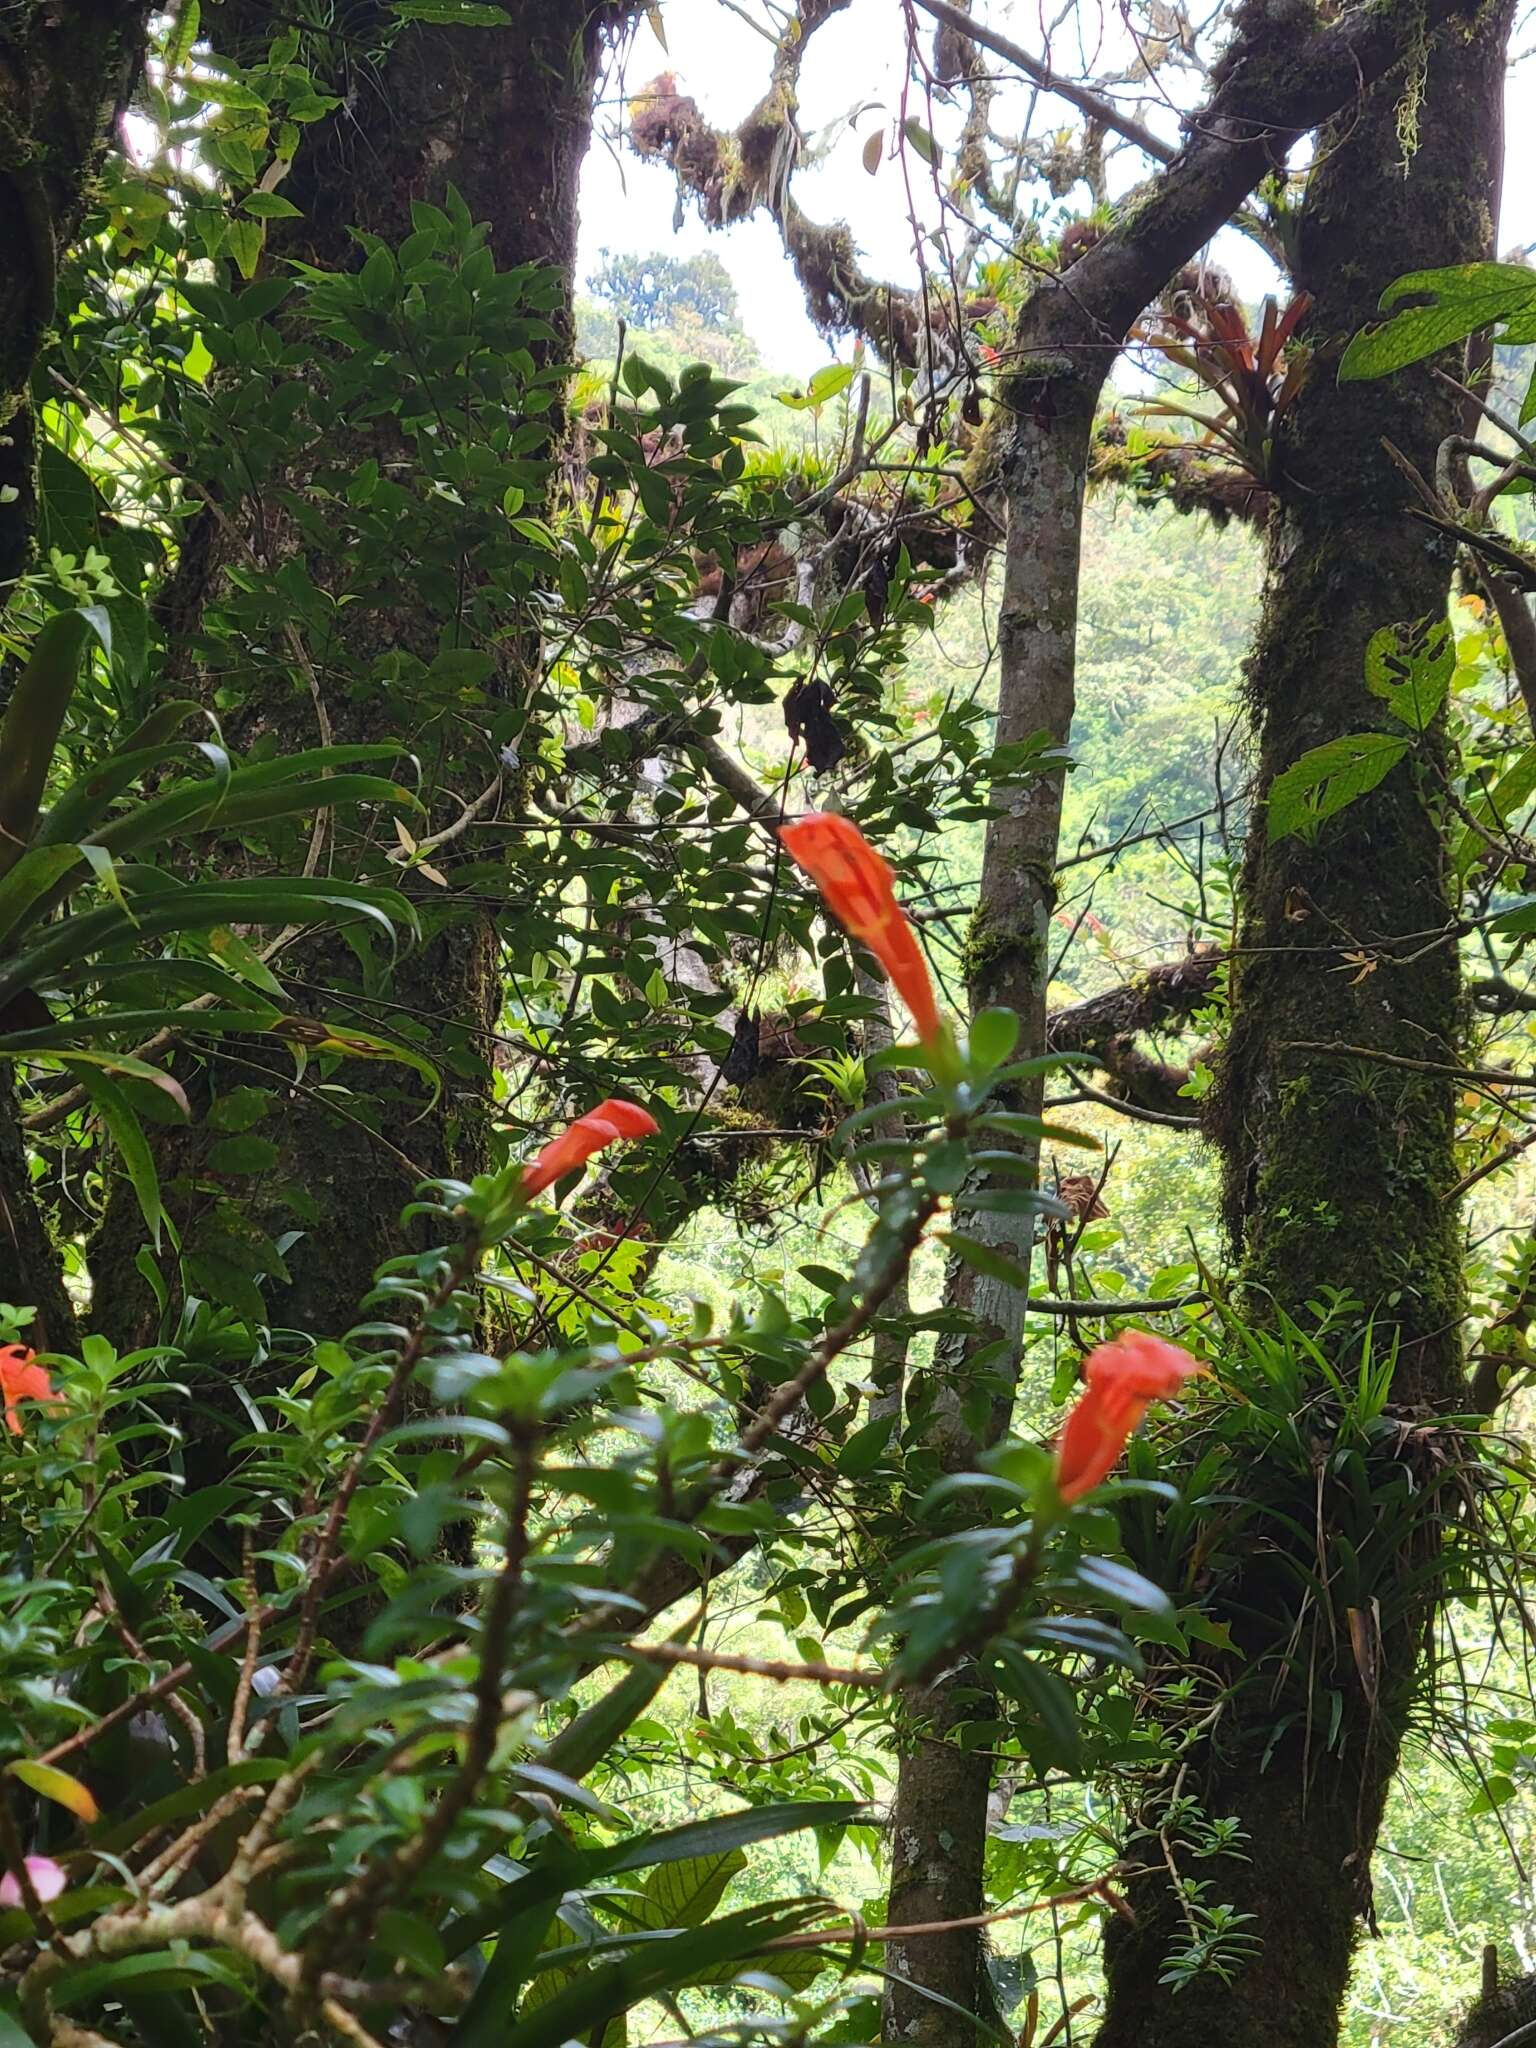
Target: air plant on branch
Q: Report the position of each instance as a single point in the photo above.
(1254, 381)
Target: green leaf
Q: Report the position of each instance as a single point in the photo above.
(317, 1035)
(132, 1146)
(1121, 1586)
(130, 636)
(1517, 923)
(30, 729)
(123, 1063)
(588, 1739)
(1329, 777)
(28, 885)
(994, 1033)
(922, 140)
(12, 2033)
(827, 383)
(69, 505)
(650, 1971)
(1410, 668)
(192, 807)
(243, 960)
(1462, 298)
(63, 952)
(1048, 1698)
(987, 1260)
(269, 206)
(861, 1454)
(189, 1800)
(685, 1894)
(165, 1969)
(244, 1154)
(179, 43)
(88, 799)
(245, 240)
(694, 1838)
(452, 13)
(237, 1109)
(1499, 807)
(1495, 1792)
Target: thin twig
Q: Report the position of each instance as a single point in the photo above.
(758, 1667)
(1088, 102)
(856, 1931)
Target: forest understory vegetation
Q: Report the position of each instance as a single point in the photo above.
(766, 1251)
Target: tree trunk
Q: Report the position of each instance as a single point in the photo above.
(63, 71)
(502, 115)
(31, 1275)
(1338, 1166)
(1271, 87)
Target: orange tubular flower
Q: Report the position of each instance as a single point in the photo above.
(605, 1125)
(21, 1379)
(860, 891)
(1123, 1378)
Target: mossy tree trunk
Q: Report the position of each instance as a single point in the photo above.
(64, 70)
(1338, 1164)
(502, 115)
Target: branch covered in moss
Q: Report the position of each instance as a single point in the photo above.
(737, 173)
(1105, 1026)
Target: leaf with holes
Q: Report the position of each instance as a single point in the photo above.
(1460, 299)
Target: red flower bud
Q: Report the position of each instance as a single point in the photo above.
(605, 1125)
(1122, 1380)
(21, 1379)
(859, 889)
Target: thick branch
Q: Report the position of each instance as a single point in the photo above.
(1106, 1026)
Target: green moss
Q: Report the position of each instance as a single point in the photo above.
(992, 955)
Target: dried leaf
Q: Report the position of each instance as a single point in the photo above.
(808, 718)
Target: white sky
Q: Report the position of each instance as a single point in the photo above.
(856, 62)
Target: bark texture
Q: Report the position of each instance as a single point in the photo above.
(30, 1272)
(1338, 1165)
(64, 71)
(1282, 75)
(504, 116)
(1504, 2013)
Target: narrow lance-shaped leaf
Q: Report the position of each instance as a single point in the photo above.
(90, 796)
(132, 1146)
(30, 730)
